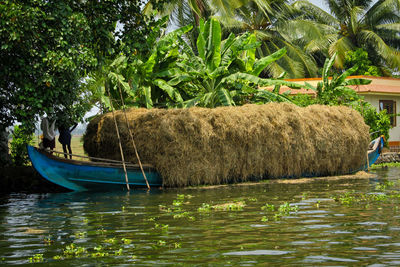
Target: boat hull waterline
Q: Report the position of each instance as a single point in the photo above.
(85, 175)
(82, 176)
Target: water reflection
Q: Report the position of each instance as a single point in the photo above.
(307, 223)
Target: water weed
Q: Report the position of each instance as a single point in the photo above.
(126, 241)
(36, 258)
(353, 198)
(48, 240)
(73, 251)
(204, 208)
(163, 227)
(161, 243)
(268, 207)
(233, 206)
(385, 165)
(80, 235)
(383, 186)
(111, 241)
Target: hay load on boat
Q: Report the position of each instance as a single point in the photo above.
(199, 146)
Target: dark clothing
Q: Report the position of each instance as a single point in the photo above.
(65, 140)
(65, 135)
(49, 143)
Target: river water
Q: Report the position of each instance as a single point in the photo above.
(335, 222)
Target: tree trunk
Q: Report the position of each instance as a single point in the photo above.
(5, 158)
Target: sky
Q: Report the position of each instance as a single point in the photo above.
(319, 3)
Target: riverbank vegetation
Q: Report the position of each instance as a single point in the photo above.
(74, 55)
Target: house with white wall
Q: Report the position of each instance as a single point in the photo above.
(382, 93)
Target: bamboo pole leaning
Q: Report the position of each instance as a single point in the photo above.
(131, 137)
(119, 140)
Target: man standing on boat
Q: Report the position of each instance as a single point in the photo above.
(49, 140)
(65, 139)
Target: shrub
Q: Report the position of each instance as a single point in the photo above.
(379, 122)
(19, 153)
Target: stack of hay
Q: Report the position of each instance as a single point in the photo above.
(230, 144)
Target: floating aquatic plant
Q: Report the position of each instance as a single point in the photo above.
(161, 243)
(268, 207)
(36, 258)
(231, 206)
(204, 208)
(74, 251)
(126, 241)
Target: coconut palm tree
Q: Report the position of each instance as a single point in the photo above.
(189, 12)
(264, 18)
(267, 20)
(351, 24)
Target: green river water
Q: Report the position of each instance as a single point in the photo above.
(330, 222)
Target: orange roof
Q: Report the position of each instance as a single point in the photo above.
(378, 86)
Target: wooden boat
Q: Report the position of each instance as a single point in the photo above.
(86, 175)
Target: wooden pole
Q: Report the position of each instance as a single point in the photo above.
(133, 141)
(119, 139)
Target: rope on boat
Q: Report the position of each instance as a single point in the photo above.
(133, 141)
(119, 139)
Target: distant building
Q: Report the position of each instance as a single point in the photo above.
(382, 93)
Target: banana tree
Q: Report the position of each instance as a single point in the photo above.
(335, 91)
(142, 79)
(109, 78)
(224, 70)
(149, 78)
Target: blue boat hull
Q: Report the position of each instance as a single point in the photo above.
(374, 154)
(82, 176)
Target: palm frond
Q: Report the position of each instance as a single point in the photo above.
(340, 46)
(380, 10)
(391, 56)
(315, 13)
(391, 27)
(224, 8)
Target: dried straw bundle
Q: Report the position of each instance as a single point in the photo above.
(229, 144)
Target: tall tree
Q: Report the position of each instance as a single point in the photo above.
(47, 47)
(264, 18)
(373, 26)
(267, 20)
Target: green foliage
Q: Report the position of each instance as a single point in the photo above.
(20, 138)
(204, 208)
(385, 165)
(151, 77)
(142, 77)
(48, 47)
(378, 122)
(302, 100)
(385, 195)
(225, 72)
(371, 25)
(360, 58)
(334, 91)
(36, 258)
(268, 207)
